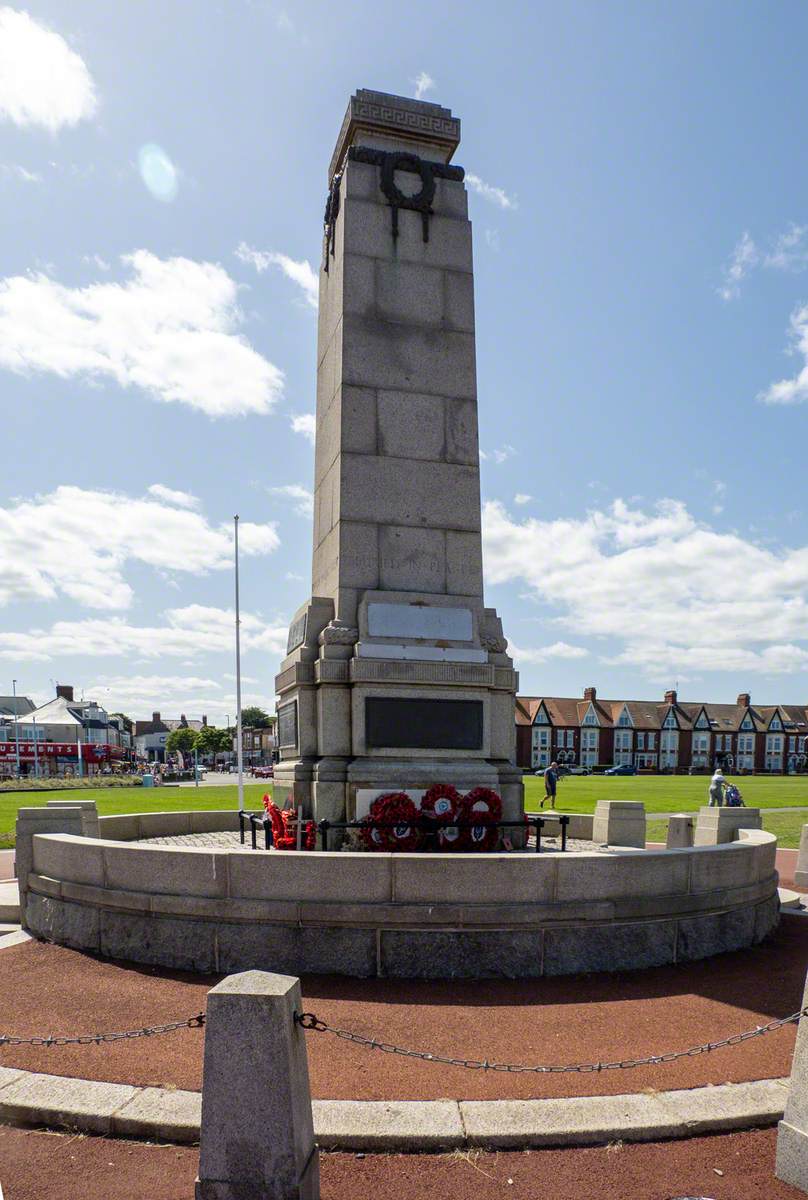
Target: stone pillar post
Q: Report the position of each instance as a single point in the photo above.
(257, 1139)
(801, 873)
(31, 821)
(721, 824)
(619, 823)
(680, 831)
(792, 1133)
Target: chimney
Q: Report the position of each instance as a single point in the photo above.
(65, 692)
(671, 697)
(590, 694)
(744, 699)
(155, 718)
(204, 719)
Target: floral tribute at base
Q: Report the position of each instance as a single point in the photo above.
(445, 820)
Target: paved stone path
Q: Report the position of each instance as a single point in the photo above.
(231, 841)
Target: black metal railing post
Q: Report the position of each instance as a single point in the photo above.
(323, 827)
(241, 826)
(564, 823)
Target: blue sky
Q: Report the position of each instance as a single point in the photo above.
(641, 240)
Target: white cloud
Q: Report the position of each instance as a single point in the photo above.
(169, 330)
(305, 424)
(499, 456)
(673, 594)
(304, 499)
(522, 498)
(744, 257)
(42, 81)
(793, 391)
(302, 273)
(293, 577)
(76, 542)
(423, 83)
(172, 496)
(492, 239)
(790, 250)
(96, 260)
(15, 171)
(185, 633)
(496, 195)
(542, 653)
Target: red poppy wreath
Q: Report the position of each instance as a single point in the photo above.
(483, 807)
(398, 820)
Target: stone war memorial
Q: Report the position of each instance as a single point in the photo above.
(396, 675)
(396, 695)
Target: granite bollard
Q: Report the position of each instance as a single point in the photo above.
(30, 821)
(680, 831)
(619, 823)
(257, 1135)
(792, 1132)
(721, 824)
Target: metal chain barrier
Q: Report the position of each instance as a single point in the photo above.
(310, 1021)
(96, 1039)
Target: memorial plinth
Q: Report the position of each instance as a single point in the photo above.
(396, 674)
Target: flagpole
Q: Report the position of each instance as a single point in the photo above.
(16, 725)
(239, 748)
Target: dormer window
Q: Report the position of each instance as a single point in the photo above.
(747, 722)
(702, 722)
(776, 723)
(624, 719)
(541, 718)
(591, 717)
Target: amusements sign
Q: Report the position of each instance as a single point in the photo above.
(287, 725)
(423, 724)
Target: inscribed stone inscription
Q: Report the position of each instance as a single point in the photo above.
(287, 724)
(423, 724)
(297, 633)
(420, 621)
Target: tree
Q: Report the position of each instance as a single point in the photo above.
(211, 740)
(182, 739)
(254, 717)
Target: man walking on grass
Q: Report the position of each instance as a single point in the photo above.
(550, 781)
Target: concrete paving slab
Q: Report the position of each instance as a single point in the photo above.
(14, 938)
(170, 1116)
(382, 1125)
(56, 1101)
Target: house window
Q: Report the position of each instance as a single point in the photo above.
(774, 752)
(640, 741)
(590, 718)
(651, 740)
(670, 722)
(589, 739)
(565, 737)
(541, 718)
(624, 718)
(775, 723)
(702, 722)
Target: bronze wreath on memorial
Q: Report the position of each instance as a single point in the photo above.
(400, 817)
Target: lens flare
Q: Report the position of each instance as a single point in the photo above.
(158, 172)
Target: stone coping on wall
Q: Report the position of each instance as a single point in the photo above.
(361, 913)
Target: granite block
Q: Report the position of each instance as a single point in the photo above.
(609, 948)
(437, 954)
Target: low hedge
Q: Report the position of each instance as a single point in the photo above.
(69, 785)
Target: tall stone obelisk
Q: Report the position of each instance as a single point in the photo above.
(396, 674)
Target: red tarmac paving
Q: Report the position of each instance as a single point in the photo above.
(731, 1167)
(49, 989)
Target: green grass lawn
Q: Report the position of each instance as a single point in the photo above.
(665, 793)
(576, 794)
(112, 801)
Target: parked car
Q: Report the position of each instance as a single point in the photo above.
(579, 770)
(263, 772)
(622, 769)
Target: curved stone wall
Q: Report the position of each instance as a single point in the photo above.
(404, 915)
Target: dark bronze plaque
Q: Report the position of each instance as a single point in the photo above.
(297, 633)
(423, 724)
(287, 724)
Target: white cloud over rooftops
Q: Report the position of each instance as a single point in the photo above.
(666, 590)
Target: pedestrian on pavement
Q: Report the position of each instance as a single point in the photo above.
(550, 781)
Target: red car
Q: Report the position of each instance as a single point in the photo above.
(263, 772)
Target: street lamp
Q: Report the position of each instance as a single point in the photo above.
(16, 725)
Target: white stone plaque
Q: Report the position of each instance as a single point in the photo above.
(428, 621)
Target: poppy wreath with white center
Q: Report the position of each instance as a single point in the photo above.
(442, 803)
(399, 818)
(483, 807)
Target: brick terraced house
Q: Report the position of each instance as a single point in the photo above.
(668, 736)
